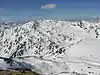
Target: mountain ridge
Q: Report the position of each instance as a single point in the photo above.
(43, 40)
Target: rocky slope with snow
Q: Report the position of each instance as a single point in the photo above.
(47, 46)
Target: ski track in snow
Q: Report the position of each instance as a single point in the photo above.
(52, 47)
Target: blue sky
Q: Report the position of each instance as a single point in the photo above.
(56, 9)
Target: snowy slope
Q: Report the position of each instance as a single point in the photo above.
(85, 57)
(51, 47)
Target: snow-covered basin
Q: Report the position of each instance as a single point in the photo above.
(85, 57)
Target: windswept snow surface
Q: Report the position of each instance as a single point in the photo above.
(52, 47)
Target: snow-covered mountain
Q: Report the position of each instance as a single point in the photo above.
(52, 47)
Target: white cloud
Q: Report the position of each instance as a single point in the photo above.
(1, 9)
(48, 6)
(93, 16)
